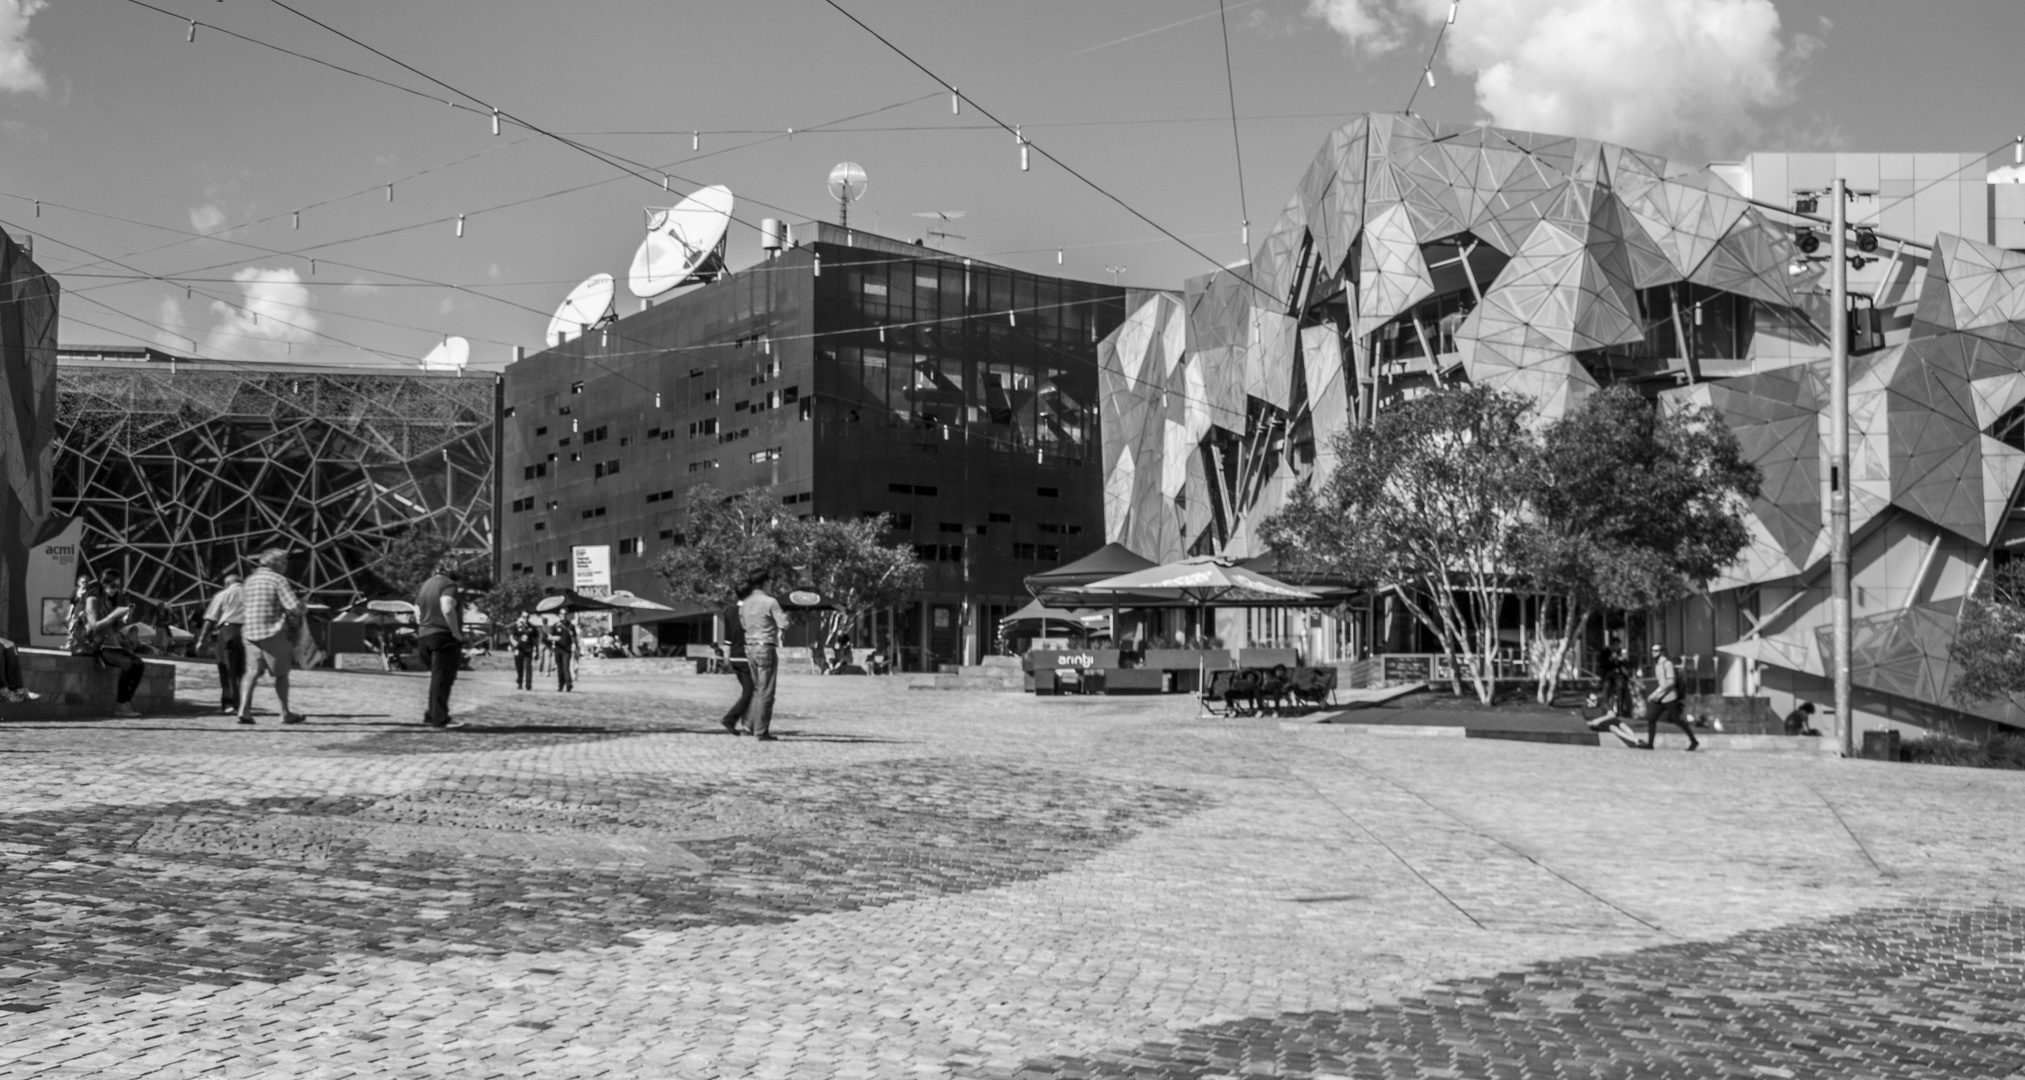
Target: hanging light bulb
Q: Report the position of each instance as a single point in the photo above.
(955, 102)
(495, 121)
(193, 29)
(1245, 234)
(1022, 141)
(657, 401)
(460, 225)
(1430, 78)
(1012, 318)
(604, 339)
(312, 268)
(1698, 314)
(2018, 151)
(390, 193)
(38, 208)
(1451, 12)
(298, 220)
(664, 183)
(819, 265)
(695, 140)
(1058, 256)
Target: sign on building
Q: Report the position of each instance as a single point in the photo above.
(591, 569)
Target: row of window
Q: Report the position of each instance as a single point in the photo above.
(1037, 552)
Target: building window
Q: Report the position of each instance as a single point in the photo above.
(794, 500)
(1048, 493)
(564, 441)
(667, 534)
(577, 387)
(1037, 552)
(540, 431)
(660, 496)
(597, 434)
(939, 552)
(808, 408)
(509, 415)
(771, 453)
(700, 466)
(631, 545)
(605, 468)
(703, 427)
(625, 440)
(951, 526)
(539, 468)
(708, 395)
(541, 526)
(523, 504)
(594, 512)
(652, 433)
(999, 519)
(552, 504)
(912, 489)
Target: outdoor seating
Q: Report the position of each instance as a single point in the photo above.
(1135, 681)
(1251, 691)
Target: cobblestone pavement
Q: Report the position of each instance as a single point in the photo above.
(982, 886)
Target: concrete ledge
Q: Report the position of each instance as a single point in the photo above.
(1401, 731)
(76, 686)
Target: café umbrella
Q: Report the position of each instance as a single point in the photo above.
(1204, 581)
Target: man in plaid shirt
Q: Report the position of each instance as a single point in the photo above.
(272, 609)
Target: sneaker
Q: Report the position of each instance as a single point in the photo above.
(294, 718)
(765, 738)
(12, 696)
(245, 719)
(27, 695)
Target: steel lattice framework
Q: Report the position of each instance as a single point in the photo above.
(180, 470)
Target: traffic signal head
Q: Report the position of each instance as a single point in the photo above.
(1805, 203)
(1866, 239)
(1805, 239)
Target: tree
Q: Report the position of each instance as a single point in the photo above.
(517, 593)
(723, 541)
(1426, 502)
(410, 559)
(1989, 647)
(853, 571)
(1631, 506)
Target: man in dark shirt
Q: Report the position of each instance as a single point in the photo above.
(526, 638)
(564, 644)
(439, 638)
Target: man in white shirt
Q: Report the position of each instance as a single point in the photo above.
(226, 617)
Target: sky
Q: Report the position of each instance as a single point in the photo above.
(179, 190)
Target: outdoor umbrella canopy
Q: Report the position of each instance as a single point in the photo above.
(660, 613)
(1108, 561)
(635, 603)
(1036, 611)
(1204, 580)
(571, 600)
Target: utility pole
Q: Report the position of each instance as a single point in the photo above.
(1838, 463)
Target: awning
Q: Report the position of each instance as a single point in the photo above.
(1108, 561)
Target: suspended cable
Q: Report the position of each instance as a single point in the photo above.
(1237, 148)
(1427, 70)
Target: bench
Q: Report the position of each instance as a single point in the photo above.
(75, 687)
(1134, 681)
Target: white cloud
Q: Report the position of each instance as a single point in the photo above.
(1649, 73)
(272, 315)
(204, 219)
(2009, 174)
(18, 72)
(168, 321)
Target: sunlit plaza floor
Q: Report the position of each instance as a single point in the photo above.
(915, 883)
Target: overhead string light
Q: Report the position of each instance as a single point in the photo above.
(1058, 256)
(695, 140)
(460, 225)
(390, 193)
(955, 102)
(296, 220)
(193, 30)
(2018, 151)
(495, 121)
(1021, 140)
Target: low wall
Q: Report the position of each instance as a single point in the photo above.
(76, 686)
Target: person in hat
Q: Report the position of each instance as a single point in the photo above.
(439, 637)
(273, 614)
(1666, 702)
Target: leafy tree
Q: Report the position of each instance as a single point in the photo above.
(723, 541)
(847, 564)
(410, 558)
(507, 598)
(1427, 500)
(1989, 647)
(1631, 506)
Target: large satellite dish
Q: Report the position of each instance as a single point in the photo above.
(586, 306)
(684, 242)
(451, 355)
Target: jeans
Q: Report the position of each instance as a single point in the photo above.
(735, 716)
(1671, 712)
(565, 675)
(130, 668)
(765, 663)
(441, 652)
(523, 670)
(230, 651)
(10, 665)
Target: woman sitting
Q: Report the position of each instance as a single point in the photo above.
(98, 623)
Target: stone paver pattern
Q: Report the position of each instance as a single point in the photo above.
(977, 885)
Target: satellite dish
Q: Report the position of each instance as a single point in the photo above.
(451, 355)
(847, 185)
(684, 242)
(804, 598)
(586, 306)
(940, 230)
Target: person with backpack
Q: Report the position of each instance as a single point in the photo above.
(1666, 701)
(98, 621)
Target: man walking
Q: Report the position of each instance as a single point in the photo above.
(564, 645)
(439, 638)
(1664, 703)
(272, 613)
(736, 662)
(226, 617)
(524, 639)
(763, 619)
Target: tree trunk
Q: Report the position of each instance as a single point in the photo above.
(1573, 619)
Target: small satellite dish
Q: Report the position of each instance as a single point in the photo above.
(451, 355)
(586, 306)
(684, 242)
(847, 185)
(940, 230)
(804, 598)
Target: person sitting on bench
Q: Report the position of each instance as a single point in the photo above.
(10, 675)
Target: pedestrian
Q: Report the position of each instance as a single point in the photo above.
(763, 620)
(1801, 720)
(226, 618)
(273, 614)
(563, 643)
(525, 638)
(732, 652)
(11, 688)
(1664, 703)
(98, 620)
(439, 637)
(1613, 693)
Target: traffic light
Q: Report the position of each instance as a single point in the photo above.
(1804, 202)
(1806, 240)
(1866, 239)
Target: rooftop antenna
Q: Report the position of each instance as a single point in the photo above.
(847, 185)
(940, 230)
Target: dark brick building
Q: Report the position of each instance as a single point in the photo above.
(849, 375)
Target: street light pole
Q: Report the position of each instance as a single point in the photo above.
(1838, 464)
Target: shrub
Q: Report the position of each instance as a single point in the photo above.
(1997, 752)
